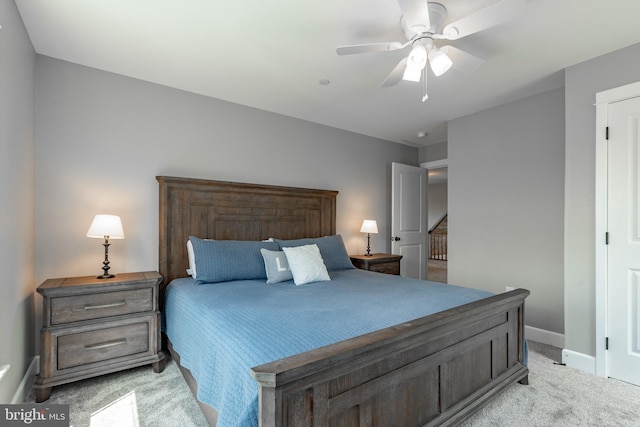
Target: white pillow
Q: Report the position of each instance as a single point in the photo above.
(306, 264)
(192, 260)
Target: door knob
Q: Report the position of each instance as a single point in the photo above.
(395, 239)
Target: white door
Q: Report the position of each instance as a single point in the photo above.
(409, 219)
(623, 250)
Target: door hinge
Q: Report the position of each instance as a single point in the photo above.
(606, 238)
(606, 133)
(606, 343)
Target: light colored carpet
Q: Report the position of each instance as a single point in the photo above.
(437, 271)
(131, 398)
(559, 396)
(556, 396)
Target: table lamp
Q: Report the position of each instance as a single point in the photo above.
(369, 226)
(107, 227)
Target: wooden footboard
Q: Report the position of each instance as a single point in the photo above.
(435, 370)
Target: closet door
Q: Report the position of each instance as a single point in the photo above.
(623, 249)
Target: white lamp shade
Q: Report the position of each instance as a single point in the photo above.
(418, 56)
(412, 74)
(415, 63)
(106, 225)
(439, 61)
(369, 226)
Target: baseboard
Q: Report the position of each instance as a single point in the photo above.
(572, 359)
(580, 361)
(543, 336)
(27, 381)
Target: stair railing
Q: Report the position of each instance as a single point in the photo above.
(438, 240)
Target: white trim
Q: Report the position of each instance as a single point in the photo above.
(436, 164)
(618, 94)
(603, 99)
(543, 336)
(600, 230)
(27, 381)
(580, 361)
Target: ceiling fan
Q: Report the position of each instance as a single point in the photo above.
(423, 23)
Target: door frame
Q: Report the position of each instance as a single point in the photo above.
(435, 164)
(603, 99)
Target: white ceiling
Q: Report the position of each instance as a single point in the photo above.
(271, 54)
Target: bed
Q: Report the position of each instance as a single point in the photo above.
(406, 367)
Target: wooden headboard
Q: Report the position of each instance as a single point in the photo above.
(236, 211)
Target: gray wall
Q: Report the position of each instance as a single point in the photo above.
(437, 202)
(102, 138)
(582, 82)
(433, 152)
(506, 180)
(436, 193)
(17, 253)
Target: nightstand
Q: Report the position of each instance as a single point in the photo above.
(96, 326)
(381, 263)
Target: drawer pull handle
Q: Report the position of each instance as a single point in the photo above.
(96, 307)
(105, 344)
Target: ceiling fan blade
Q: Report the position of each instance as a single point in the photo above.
(462, 61)
(415, 14)
(492, 15)
(371, 47)
(396, 75)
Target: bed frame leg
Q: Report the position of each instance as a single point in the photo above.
(524, 380)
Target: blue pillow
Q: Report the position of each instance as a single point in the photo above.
(331, 248)
(227, 260)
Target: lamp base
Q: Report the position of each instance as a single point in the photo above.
(368, 245)
(105, 263)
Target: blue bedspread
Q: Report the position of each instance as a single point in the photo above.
(222, 330)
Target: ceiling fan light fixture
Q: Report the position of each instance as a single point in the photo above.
(439, 61)
(418, 56)
(415, 63)
(412, 74)
(423, 23)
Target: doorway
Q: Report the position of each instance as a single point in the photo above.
(437, 210)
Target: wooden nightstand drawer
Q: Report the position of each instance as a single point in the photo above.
(100, 305)
(380, 263)
(386, 267)
(104, 344)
